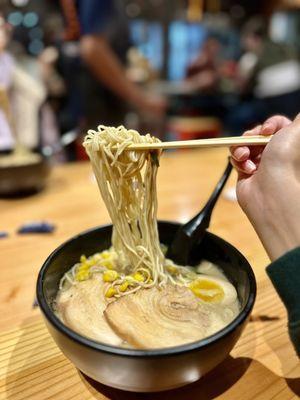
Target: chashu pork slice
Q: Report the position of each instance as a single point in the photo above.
(81, 308)
(157, 318)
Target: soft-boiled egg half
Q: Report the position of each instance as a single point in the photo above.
(213, 290)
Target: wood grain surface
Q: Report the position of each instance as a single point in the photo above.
(263, 364)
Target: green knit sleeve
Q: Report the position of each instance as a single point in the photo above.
(285, 276)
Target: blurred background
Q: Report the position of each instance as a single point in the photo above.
(179, 69)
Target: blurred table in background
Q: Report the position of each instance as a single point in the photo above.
(186, 119)
(262, 365)
(189, 128)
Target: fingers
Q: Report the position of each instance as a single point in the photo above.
(246, 159)
(253, 132)
(274, 124)
(242, 153)
(269, 127)
(244, 167)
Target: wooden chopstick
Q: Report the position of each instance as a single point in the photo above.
(215, 142)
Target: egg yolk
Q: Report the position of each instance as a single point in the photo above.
(207, 290)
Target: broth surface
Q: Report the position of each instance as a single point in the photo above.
(156, 317)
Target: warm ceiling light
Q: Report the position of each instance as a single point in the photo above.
(195, 10)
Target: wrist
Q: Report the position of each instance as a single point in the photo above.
(136, 98)
(279, 229)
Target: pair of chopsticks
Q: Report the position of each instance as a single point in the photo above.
(198, 143)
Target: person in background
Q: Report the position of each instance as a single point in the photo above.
(6, 77)
(202, 73)
(100, 28)
(204, 97)
(268, 77)
(268, 190)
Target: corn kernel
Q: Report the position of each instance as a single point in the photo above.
(129, 279)
(105, 254)
(82, 275)
(84, 267)
(110, 292)
(124, 286)
(110, 276)
(83, 258)
(89, 263)
(108, 264)
(172, 269)
(138, 277)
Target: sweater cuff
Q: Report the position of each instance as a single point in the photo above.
(285, 276)
(294, 331)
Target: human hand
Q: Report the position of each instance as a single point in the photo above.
(268, 187)
(153, 105)
(246, 159)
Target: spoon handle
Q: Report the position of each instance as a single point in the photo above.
(207, 210)
(191, 233)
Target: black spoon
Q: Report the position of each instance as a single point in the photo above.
(191, 234)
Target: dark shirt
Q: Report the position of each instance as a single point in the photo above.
(107, 18)
(90, 102)
(285, 276)
(94, 15)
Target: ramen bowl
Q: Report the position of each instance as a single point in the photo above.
(145, 370)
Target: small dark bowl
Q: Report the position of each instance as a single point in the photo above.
(24, 179)
(145, 370)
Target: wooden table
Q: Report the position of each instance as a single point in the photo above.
(262, 365)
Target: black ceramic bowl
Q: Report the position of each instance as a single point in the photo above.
(24, 178)
(145, 370)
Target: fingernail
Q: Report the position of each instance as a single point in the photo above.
(241, 152)
(250, 166)
(267, 126)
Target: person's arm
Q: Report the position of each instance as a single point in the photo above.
(268, 190)
(269, 184)
(285, 276)
(95, 17)
(103, 62)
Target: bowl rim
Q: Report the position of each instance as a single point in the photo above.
(145, 353)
